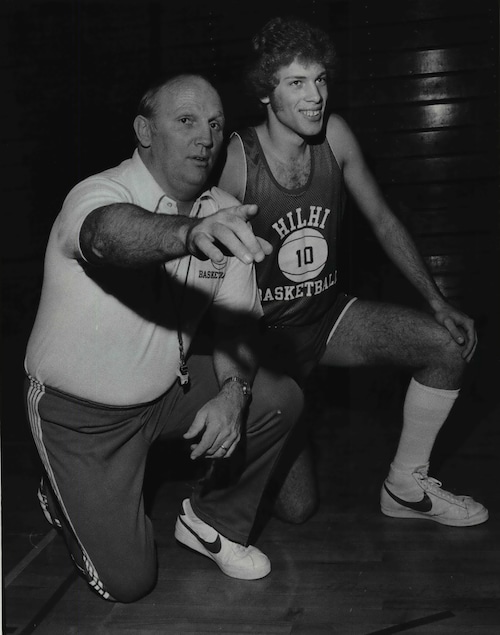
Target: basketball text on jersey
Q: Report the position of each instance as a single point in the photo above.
(301, 290)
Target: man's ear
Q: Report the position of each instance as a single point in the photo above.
(264, 100)
(142, 127)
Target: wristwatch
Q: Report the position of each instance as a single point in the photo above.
(245, 386)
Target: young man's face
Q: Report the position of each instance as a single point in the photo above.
(186, 134)
(298, 101)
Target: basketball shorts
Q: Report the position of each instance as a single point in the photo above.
(297, 350)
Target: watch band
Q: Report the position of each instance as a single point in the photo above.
(245, 386)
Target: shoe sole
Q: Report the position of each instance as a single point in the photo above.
(477, 519)
(186, 539)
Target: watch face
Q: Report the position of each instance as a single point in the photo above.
(245, 386)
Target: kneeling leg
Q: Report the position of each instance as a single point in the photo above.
(93, 492)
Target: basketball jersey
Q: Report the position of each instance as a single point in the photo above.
(298, 281)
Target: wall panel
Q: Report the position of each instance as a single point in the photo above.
(418, 83)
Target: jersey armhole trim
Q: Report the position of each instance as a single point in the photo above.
(245, 166)
(333, 153)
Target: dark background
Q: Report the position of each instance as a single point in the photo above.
(418, 83)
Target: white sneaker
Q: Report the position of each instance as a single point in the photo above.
(436, 504)
(233, 559)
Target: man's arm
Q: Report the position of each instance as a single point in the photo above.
(219, 421)
(125, 235)
(392, 235)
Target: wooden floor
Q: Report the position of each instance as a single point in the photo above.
(348, 571)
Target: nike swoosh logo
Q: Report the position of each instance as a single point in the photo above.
(424, 505)
(213, 547)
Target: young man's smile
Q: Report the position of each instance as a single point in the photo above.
(299, 99)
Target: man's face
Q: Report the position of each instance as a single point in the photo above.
(186, 134)
(298, 101)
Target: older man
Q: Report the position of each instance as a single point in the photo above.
(138, 254)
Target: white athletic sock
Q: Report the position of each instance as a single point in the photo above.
(424, 413)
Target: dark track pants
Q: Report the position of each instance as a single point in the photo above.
(95, 456)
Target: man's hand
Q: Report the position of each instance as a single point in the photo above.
(460, 326)
(219, 423)
(227, 233)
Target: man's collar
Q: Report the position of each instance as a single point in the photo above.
(149, 191)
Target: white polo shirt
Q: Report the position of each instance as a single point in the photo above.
(109, 334)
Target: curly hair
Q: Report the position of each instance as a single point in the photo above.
(278, 44)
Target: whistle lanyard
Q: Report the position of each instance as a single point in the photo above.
(182, 371)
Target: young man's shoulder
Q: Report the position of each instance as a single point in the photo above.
(233, 176)
(339, 136)
(336, 124)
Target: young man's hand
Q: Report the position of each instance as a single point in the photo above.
(460, 326)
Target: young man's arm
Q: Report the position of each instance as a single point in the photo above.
(391, 233)
(233, 177)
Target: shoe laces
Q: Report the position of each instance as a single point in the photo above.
(431, 484)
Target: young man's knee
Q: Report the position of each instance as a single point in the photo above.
(296, 511)
(448, 353)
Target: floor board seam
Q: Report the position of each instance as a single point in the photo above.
(34, 553)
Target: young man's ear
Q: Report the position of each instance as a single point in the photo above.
(142, 127)
(264, 100)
